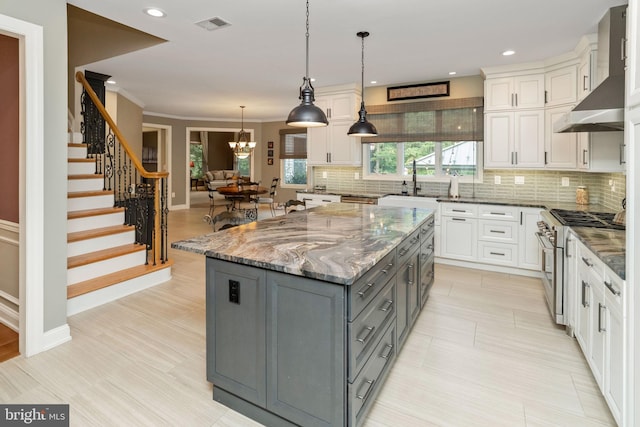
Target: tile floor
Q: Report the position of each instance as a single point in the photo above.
(483, 352)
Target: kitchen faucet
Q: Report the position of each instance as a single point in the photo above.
(415, 184)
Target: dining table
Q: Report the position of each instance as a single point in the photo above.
(244, 192)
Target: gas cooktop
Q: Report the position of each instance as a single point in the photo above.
(586, 219)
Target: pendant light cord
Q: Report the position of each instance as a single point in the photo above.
(362, 76)
(307, 36)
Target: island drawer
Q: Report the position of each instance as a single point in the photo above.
(368, 286)
(426, 228)
(363, 391)
(367, 328)
(407, 246)
(501, 213)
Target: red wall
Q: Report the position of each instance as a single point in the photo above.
(9, 129)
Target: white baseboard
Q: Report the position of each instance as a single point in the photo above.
(55, 337)
(9, 316)
(489, 267)
(111, 293)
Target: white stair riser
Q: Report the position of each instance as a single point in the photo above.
(112, 293)
(94, 221)
(81, 168)
(77, 152)
(74, 137)
(108, 266)
(93, 184)
(99, 243)
(93, 202)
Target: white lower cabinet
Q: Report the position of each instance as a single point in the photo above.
(490, 234)
(600, 326)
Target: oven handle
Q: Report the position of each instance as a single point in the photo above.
(542, 243)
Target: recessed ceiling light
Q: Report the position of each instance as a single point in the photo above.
(508, 52)
(312, 79)
(452, 73)
(111, 82)
(155, 12)
(373, 82)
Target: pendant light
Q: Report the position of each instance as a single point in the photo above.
(243, 147)
(307, 115)
(362, 127)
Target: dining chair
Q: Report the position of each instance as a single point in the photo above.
(271, 199)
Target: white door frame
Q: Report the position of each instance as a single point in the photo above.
(31, 276)
(251, 132)
(164, 155)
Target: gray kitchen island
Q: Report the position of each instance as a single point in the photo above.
(306, 312)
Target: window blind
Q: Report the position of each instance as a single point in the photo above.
(442, 120)
(293, 144)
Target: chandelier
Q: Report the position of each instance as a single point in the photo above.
(243, 147)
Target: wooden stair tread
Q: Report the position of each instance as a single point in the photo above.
(93, 212)
(97, 256)
(98, 232)
(78, 194)
(83, 160)
(91, 285)
(86, 176)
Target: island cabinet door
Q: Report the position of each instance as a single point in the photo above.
(236, 343)
(306, 363)
(408, 305)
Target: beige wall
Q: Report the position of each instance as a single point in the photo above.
(129, 121)
(459, 87)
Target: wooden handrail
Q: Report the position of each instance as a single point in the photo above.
(123, 141)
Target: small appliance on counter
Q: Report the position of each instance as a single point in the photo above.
(620, 218)
(454, 192)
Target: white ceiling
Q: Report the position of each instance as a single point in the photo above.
(259, 60)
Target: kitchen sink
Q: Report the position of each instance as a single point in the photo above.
(428, 202)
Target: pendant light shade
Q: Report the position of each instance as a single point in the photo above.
(243, 147)
(306, 114)
(362, 127)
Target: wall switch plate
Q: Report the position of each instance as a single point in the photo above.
(610, 182)
(519, 180)
(565, 181)
(324, 174)
(173, 194)
(497, 180)
(613, 188)
(356, 175)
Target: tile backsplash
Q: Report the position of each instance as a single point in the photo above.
(538, 185)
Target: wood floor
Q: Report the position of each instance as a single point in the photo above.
(482, 353)
(8, 343)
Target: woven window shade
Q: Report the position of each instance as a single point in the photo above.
(443, 120)
(293, 144)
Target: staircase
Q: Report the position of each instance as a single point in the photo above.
(103, 261)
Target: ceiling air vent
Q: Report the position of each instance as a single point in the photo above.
(213, 23)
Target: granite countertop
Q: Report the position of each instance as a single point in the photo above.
(608, 245)
(542, 204)
(336, 243)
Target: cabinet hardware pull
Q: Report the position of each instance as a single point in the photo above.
(458, 210)
(515, 153)
(623, 49)
(402, 252)
(546, 99)
(585, 303)
(497, 213)
(366, 288)
(512, 157)
(566, 249)
(584, 157)
(622, 160)
(366, 394)
(584, 83)
(512, 103)
(545, 158)
(611, 288)
(587, 261)
(389, 353)
(516, 99)
(458, 219)
(520, 217)
(600, 307)
(497, 231)
(430, 246)
(388, 305)
(370, 330)
(386, 270)
(496, 253)
(325, 200)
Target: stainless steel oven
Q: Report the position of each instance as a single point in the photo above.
(550, 236)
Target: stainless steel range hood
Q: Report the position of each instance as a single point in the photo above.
(603, 108)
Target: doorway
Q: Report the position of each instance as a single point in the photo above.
(157, 157)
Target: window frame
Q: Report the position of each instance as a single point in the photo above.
(283, 183)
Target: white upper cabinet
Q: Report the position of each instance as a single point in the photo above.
(514, 139)
(560, 86)
(331, 145)
(560, 148)
(510, 93)
(633, 55)
(586, 73)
